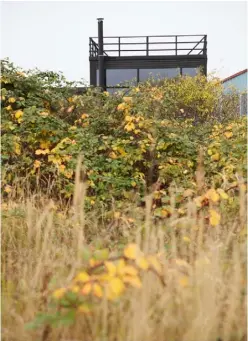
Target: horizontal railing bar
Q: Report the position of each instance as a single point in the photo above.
(141, 50)
(174, 35)
(157, 43)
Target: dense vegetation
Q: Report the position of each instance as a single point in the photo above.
(88, 181)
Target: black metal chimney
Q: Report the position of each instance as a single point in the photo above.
(100, 54)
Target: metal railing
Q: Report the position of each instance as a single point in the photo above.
(151, 45)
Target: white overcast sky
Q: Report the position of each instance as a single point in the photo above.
(54, 35)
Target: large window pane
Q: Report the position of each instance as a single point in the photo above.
(120, 76)
(145, 74)
(190, 71)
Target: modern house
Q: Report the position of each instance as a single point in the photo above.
(238, 81)
(114, 61)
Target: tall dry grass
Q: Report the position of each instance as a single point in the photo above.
(204, 297)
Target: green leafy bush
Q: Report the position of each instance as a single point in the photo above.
(130, 144)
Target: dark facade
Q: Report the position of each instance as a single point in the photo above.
(115, 61)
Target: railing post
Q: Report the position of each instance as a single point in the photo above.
(119, 45)
(176, 44)
(205, 46)
(147, 46)
(100, 54)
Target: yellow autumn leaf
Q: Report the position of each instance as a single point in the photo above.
(59, 293)
(116, 287)
(45, 144)
(86, 289)
(8, 108)
(128, 118)
(130, 270)
(215, 157)
(18, 114)
(121, 151)
(142, 263)
(83, 116)
(111, 268)
(84, 308)
(133, 281)
(97, 290)
(186, 239)
(17, 148)
(75, 289)
(131, 251)
(228, 134)
(121, 266)
(222, 193)
(61, 168)
(82, 277)
(37, 164)
(121, 106)
(212, 195)
(133, 183)
(12, 100)
(68, 173)
(7, 189)
(214, 217)
(41, 151)
(93, 262)
(112, 155)
(129, 127)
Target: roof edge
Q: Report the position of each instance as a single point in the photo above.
(235, 75)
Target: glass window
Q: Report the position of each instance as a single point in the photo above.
(120, 76)
(190, 71)
(97, 77)
(118, 90)
(145, 74)
(243, 104)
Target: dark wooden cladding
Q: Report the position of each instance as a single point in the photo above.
(152, 62)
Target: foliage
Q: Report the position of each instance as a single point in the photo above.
(130, 145)
(164, 166)
(105, 278)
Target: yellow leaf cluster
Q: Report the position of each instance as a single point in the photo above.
(45, 144)
(7, 189)
(214, 217)
(228, 134)
(17, 148)
(129, 127)
(42, 152)
(212, 195)
(18, 115)
(37, 164)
